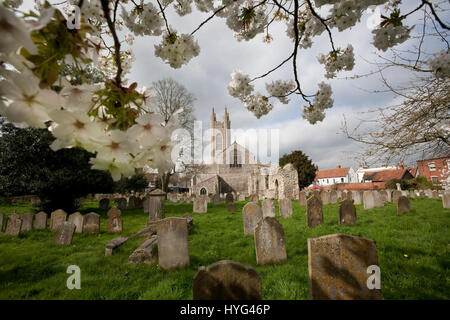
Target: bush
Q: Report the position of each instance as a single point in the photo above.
(136, 183)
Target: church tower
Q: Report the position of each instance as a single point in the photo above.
(220, 136)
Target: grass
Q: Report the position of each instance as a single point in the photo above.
(31, 267)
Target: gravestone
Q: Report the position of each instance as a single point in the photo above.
(325, 197)
(270, 245)
(114, 212)
(200, 205)
(412, 194)
(132, 202)
(422, 194)
(231, 207)
(57, 218)
(27, 222)
(241, 197)
(403, 205)
(121, 203)
(113, 245)
(384, 196)
(144, 253)
(368, 200)
(114, 224)
(13, 225)
(139, 203)
(378, 198)
(64, 233)
(173, 249)
(429, 193)
(302, 198)
(314, 211)
(333, 196)
(103, 204)
(226, 280)
(229, 197)
(285, 207)
(251, 215)
(254, 198)
(91, 223)
(216, 199)
(399, 188)
(40, 221)
(268, 208)
(389, 194)
(338, 267)
(347, 212)
(189, 220)
(77, 219)
(1, 221)
(434, 194)
(395, 195)
(156, 205)
(357, 197)
(446, 200)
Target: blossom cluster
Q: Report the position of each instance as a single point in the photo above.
(281, 89)
(322, 101)
(246, 26)
(338, 61)
(389, 36)
(177, 50)
(441, 64)
(143, 21)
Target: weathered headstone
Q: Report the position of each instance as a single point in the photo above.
(378, 198)
(325, 197)
(434, 194)
(156, 205)
(285, 207)
(114, 212)
(57, 218)
(91, 223)
(114, 224)
(384, 196)
(347, 212)
(241, 197)
(412, 194)
(270, 245)
(254, 198)
(64, 233)
(422, 194)
(333, 196)
(403, 205)
(103, 204)
(216, 199)
(231, 207)
(27, 222)
(268, 208)
(229, 197)
(338, 267)
(145, 252)
(302, 198)
(200, 205)
(314, 211)
(395, 195)
(40, 221)
(226, 280)
(368, 200)
(77, 219)
(173, 249)
(132, 202)
(13, 225)
(429, 193)
(121, 203)
(446, 200)
(357, 197)
(251, 215)
(113, 245)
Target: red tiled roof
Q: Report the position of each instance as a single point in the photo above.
(413, 171)
(332, 173)
(386, 175)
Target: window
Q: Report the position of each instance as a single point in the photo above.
(267, 182)
(218, 142)
(432, 166)
(342, 179)
(237, 159)
(434, 179)
(202, 191)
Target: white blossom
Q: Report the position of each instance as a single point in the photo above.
(239, 86)
(177, 50)
(144, 22)
(389, 36)
(14, 33)
(338, 61)
(280, 89)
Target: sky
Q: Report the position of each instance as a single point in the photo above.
(207, 76)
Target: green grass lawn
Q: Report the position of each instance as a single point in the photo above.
(31, 267)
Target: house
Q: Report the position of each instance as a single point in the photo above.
(362, 171)
(329, 177)
(435, 170)
(387, 175)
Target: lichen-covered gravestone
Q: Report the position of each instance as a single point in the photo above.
(270, 245)
(200, 205)
(156, 205)
(251, 215)
(64, 233)
(285, 207)
(114, 224)
(13, 225)
(347, 212)
(27, 222)
(446, 200)
(173, 249)
(333, 196)
(103, 204)
(338, 267)
(403, 205)
(384, 195)
(302, 198)
(40, 221)
(226, 280)
(77, 219)
(378, 199)
(268, 208)
(368, 200)
(395, 196)
(57, 218)
(314, 211)
(91, 223)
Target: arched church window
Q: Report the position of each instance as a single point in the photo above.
(202, 191)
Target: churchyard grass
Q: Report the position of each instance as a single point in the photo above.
(413, 252)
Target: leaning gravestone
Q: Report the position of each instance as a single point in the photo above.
(338, 267)
(285, 207)
(446, 200)
(173, 249)
(57, 218)
(347, 212)
(251, 215)
(2, 216)
(40, 221)
(270, 246)
(13, 225)
(396, 195)
(325, 197)
(226, 280)
(77, 219)
(368, 200)
(91, 223)
(268, 208)
(27, 222)
(314, 211)
(333, 196)
(200, 205)
(302, 198)
(64, 233)
(403, 205)
(156, 205)
(103, 204)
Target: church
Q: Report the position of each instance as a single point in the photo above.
(235, 169)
